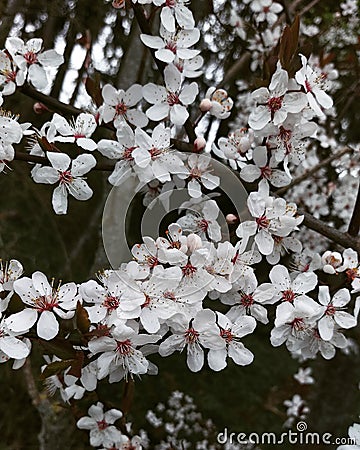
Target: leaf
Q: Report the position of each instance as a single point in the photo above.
(55, 367)
(289, 42)
(59, 347)
(82, 318)
(93, 89)
(77, 364)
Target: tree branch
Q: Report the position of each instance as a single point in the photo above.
(354, 225)
(314, 169)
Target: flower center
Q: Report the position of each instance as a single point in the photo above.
(121, 109)
(203, 225)
(111, 303)
(171, 45)
(247, 300)
(330, 310)
(263, 222)
(124, 347)
(297, 324)
(170, 3)
(227, 335)
(288, 296)
(30, 57)
(188, 270)
(46, 303)
(154, 152)
(352, 274)
(102, 425)
(169, 295)
(265, 171)
(127, 154)
(173, 99)
(191, 336)
(274, 104)
(65, 177)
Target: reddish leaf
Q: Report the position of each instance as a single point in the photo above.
(55, 368)
(82, 318)
(93, 89)
(77, 364)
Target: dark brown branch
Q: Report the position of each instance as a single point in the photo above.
(354, 225)
(70, 110)
(344, 239)
(314, 169)
(51, 102)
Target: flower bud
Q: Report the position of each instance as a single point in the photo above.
(40, 108)
(205, 105)
(199, 144)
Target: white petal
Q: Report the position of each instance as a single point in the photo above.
(47, 326)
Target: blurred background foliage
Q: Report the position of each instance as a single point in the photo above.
(70, 247)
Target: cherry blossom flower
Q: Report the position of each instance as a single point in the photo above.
(70, 178)
(331, 261)
(234, 147)
(9, 272)
(153, 157)
(201, 218)
(274, 217)
(333, 312)
(29, 58)
(175, 9)
(173, 248)
(43, 302)
(288, 139)
(231, 333)
(189, 68)
(172, 100)
(10, 75)
(119, 356)
(303, 376)
(266, 10)
(10, 345)
(100, 424)
(121, 150)
(201, 333)
(237, 22)
(314, 84)
(275, 103)
(108, 301)
(172, 45)
(282, 246)
(79, 131)
(11, 132)
(354, 429)
(217, 102)
(119, 106)
(287, 289)
(294, 321)
(264, 168)
(249, 300)
(199, 174)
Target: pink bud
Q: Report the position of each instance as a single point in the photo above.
(205, 105)
(231, 219)
(199, 144)
(40, 108)
(118, 4)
